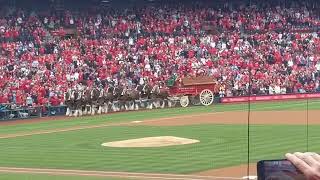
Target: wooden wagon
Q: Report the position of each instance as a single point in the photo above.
(197, 90)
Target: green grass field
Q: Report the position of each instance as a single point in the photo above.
(220, 145)
(8, 176)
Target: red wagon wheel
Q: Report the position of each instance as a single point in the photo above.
(206, 97)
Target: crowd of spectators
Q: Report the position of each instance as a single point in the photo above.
(42, 54)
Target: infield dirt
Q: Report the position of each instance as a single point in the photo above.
(240, 117)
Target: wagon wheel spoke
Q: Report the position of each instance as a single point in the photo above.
(184, 101)
(206, 97)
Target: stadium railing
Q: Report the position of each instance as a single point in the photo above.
(270, 97)
(31, 112)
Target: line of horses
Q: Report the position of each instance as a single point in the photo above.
(91, 101)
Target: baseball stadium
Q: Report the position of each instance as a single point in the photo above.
(158, 89)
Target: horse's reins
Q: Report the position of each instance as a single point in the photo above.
(101, 93)
(144, 89)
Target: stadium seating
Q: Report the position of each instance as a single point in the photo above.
(42, 54)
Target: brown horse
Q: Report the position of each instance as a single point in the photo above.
(76, 101)
(118, 98)
(68, 101)
(127, 98)
(73, 102)
(108, 98)
(145, 93)
(86, 101)
(158, 97)
(94, 96)
(101, 101)
(133, 98)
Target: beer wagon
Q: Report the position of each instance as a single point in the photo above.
(197, 91)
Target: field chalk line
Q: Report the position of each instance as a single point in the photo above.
(112, 174)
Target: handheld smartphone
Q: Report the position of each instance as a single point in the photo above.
(278, 170)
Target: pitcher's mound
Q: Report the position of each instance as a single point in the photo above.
(159, 141)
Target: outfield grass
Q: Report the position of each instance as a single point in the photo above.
(220, 145)
(10, 176)
(147, 115)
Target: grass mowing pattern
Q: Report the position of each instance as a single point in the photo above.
(220, 146)
(9, 176)
(109, 118)
(147, 115)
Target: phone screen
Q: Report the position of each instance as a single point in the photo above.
(278, 170)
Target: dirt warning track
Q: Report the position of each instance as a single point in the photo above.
(241, 117)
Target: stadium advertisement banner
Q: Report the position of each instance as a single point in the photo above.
(269, 98)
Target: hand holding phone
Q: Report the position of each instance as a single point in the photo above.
(278, 170)
(298, 166)
(308, 163)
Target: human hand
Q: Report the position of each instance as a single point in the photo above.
(308, 163)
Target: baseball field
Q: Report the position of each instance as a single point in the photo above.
(179, 143)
